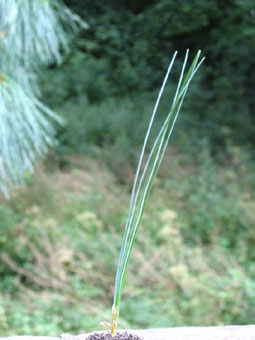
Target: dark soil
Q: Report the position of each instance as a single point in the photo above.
(118, 336)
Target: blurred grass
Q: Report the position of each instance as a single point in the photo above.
(193, 263)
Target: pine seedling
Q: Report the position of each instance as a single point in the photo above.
(145, 177)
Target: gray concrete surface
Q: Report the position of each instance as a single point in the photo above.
(178, 333)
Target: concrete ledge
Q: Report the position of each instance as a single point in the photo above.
(178, 333)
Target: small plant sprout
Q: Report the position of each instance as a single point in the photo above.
(145, 176)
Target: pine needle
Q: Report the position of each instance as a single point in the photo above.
(145, 177)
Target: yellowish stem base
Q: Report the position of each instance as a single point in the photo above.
(115, 316)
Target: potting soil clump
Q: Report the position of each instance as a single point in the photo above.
(118, 336)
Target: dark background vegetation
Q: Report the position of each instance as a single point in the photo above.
(128, 46)
(197, 239)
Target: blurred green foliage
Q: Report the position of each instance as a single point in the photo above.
(60, 236)
(127, 49)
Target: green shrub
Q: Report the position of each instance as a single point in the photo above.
(58, 280)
